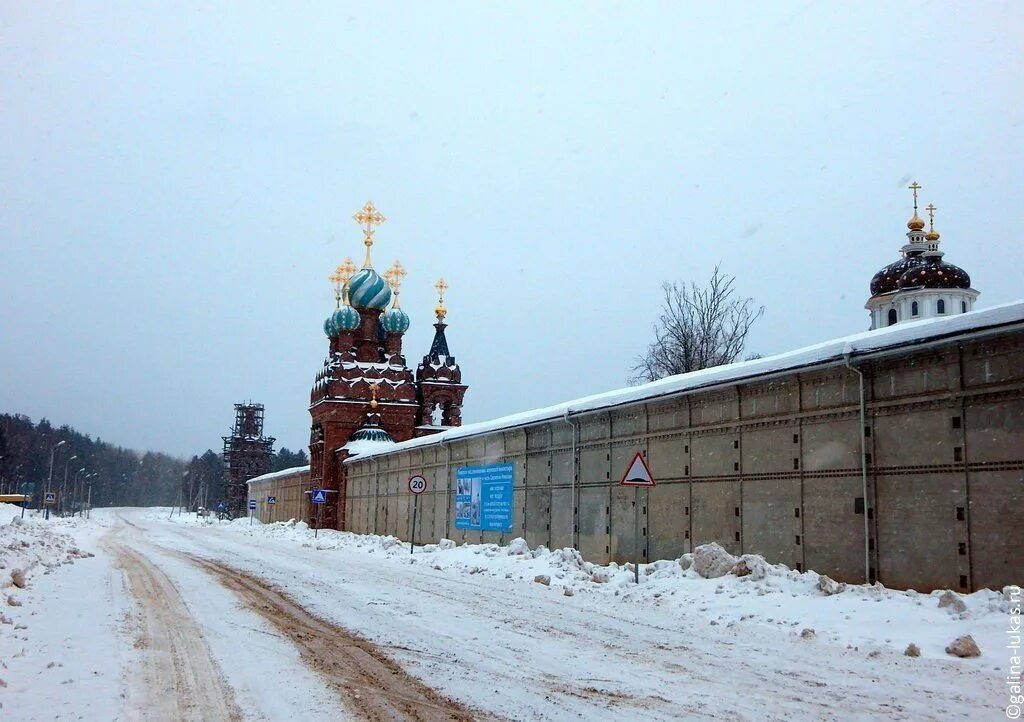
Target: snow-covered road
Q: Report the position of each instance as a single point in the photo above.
(446, 634)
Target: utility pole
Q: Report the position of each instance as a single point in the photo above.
(49, 479)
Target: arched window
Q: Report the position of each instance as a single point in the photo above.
(963, 307)
(913, 308)
(892, 316)
(941, 306)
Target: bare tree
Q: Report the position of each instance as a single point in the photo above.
(698, 327)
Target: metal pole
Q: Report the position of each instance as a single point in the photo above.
(49, 479)
(636, 529)
(88, 503)
(415, 508)
(316, 524)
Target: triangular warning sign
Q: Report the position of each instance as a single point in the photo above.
(319, 496)
(637, 474)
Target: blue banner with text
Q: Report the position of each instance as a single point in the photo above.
(483, 497)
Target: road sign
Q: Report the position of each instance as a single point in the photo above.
(50, 497)
(271, 499)
(417, 484)
(221, 506)
(252, 504)
(638, 474)
(319, 496)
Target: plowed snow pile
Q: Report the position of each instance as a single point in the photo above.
(31, 546)
(726, 590)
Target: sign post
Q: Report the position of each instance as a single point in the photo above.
(318, 497)
(637, 474)
(252, 508)
(271, 502)
(49, 499)
(417, 485)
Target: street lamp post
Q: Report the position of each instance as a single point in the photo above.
(76, 500)
(64, 485)
(49, 479)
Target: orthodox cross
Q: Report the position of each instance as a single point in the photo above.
(915, 187)
(441, 287)
(369, 217)
(931, 216)
(340, 277)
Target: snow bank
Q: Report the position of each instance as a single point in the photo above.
(727, 590)
(30, 544)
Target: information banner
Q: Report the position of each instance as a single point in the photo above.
(483, 497)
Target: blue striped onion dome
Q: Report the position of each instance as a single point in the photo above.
(329, 328)
(395, 320)
(367, 289)
(346, 318)
(371, 433)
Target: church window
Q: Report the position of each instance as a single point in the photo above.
(963, 307)
(892, 316)
(940, 306)
(913, 308)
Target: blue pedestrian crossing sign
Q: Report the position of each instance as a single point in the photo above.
(319, 496)
(271, 499)
(252, 504)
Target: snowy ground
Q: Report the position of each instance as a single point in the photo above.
(189, 619)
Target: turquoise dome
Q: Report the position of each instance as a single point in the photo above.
(367, 289)
(329, 328)
(345, 318)
(395, 321)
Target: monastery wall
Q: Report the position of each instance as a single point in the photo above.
(768, 465)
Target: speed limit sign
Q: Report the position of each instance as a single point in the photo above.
(417, 484)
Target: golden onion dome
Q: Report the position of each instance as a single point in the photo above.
(931, 236)
(916, 223)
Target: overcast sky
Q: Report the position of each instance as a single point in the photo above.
(177, 181)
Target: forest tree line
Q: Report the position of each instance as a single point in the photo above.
(116, 475)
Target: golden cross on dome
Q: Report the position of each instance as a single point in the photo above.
(394, 276)
(341, 275)
(915, 186)
(441, 287)
(369, 217)
(931, 216)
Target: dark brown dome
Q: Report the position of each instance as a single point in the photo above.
(888, 279)
(935, 273)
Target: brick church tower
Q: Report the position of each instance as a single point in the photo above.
(365, 391)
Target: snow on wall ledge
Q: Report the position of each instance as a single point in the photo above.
(279, 474)
(858, 344)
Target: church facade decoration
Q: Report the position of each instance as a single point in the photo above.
(919, 284)
(365, 391)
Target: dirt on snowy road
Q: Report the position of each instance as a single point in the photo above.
(177, 678)
(373, 686)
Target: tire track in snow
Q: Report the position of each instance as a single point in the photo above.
(372, 685)
(177, 678)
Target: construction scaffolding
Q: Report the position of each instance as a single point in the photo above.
(246, 454)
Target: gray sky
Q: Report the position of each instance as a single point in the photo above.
(176, 183)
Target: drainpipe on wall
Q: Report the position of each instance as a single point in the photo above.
(575, 484)
(447, 487)
(863, 470)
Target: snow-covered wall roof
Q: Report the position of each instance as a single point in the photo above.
(859, 344)
(278, 474)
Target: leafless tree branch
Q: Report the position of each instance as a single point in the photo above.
(698, 327)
